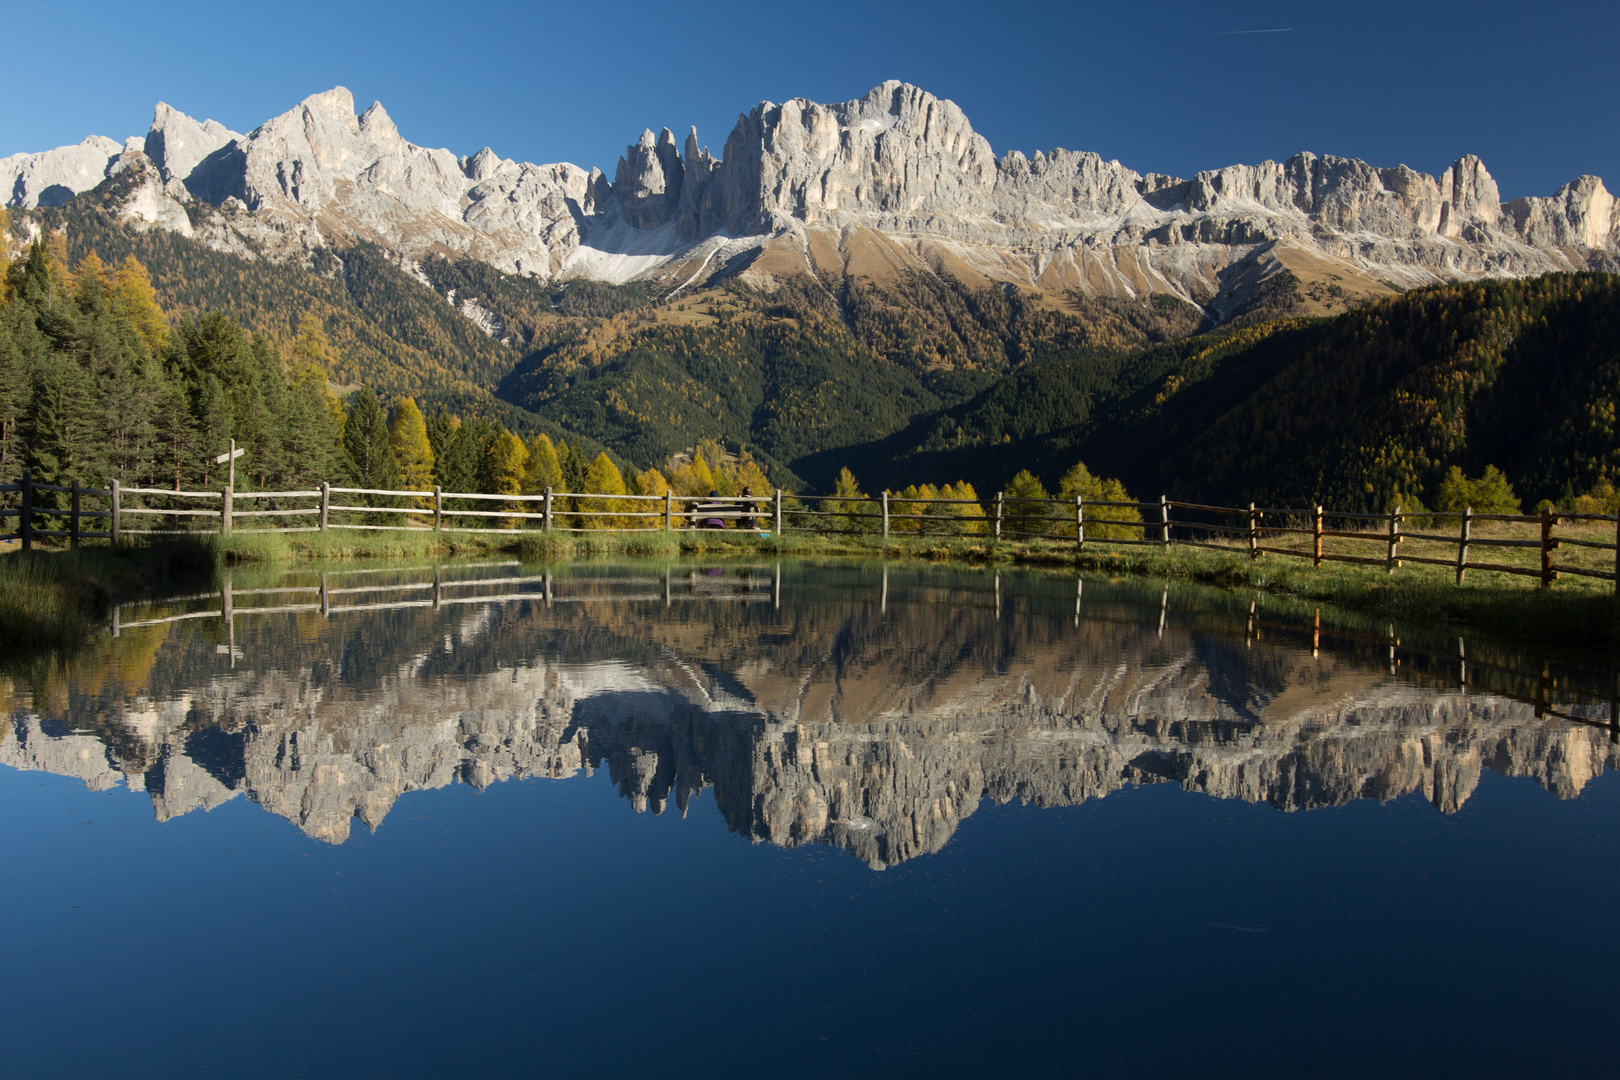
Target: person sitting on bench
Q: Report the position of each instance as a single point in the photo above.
(708, 513)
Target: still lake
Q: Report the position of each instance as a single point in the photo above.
(799, 819)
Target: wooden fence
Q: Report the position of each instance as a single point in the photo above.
(1587, 546)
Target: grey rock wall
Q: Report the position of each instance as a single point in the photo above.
(897, 162)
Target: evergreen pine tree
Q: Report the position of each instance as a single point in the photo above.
(63, 428)
(91, 288)
(370, 458)
(263, 418)
(309, 435)
(176, 453)
(31, 280)
(129, 396)
(1024, 505)
(571, 463)
(213, 425)
(14, 393)
(477, 434)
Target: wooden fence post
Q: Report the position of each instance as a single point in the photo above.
(25, 513)
(1164, 519)
(1079, 521)
(885, 514)
(1547, 522)
(1254, 532)
(669, 510)
(547, 518)
(73, 527)
(326, 506)
(779, 536)
(1462, 542)
(438, 509)
(113, 523)
(1390, 562)
(1316, 541)
(998, 515)
(1617, 555)
(225, 511)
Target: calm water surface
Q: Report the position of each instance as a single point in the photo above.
(799, 821)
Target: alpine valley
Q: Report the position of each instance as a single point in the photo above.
(867, 284)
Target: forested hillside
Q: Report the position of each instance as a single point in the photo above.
(1354, 411)
(386, 329)
(785, 375)
(918, 378)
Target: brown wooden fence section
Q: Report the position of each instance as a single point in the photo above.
(1543, 546)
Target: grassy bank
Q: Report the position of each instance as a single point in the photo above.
(47, 598)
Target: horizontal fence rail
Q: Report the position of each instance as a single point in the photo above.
(1449, 539)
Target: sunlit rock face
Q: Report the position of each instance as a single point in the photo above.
(877, 732)
(894, 178)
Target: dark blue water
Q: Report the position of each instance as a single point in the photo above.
(1327, 923)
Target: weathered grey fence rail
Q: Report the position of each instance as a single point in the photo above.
(1258, 531)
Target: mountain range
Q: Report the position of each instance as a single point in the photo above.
(895, 178)
(842, 285)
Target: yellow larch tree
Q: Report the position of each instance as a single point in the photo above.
(508, 460)
(312, 358)
(543, 470)
(413, 454)
(134, 298)
(602, 477)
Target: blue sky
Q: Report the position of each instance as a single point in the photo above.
(1166, 87)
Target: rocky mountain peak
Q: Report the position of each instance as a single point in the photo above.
(897, 164)
(177, 144)
(376, 123)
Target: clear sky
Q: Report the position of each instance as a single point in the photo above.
(1531, 87)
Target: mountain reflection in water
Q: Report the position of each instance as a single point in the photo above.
(865, 708)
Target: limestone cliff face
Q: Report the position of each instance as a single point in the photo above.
(52, 177)
(897, 177)
(823, 734)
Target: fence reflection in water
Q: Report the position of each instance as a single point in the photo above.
(1552, 688)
